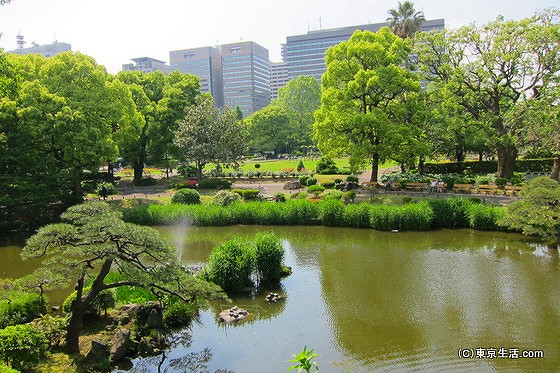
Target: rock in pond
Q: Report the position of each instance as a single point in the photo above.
(233, 314)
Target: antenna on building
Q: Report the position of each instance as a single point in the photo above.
(20, 41)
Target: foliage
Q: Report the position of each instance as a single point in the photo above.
(105, 189)
(186, 196)
(364, 101)
(147, 181)
(332, 212)
(187, 170)
(178, 313)
(269, 130)
(279, 197)
(315, 189)
(332, 194)
(269, 257)
(326, 166)
(300, 166)
(209, 134)
(537, 212)
(348, 196)
(303, 360)
(214, 184)
(225, 198)
(54, 328)
(485, 217)
(101, 302)
(328, 184)
(231, 263)
(18, 307)
(405, 21)
(22, 346)
(450, 212)
(247, 194)
(91, 240)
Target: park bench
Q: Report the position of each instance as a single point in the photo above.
(372, 184)
(512, 190)
(462, 188)
(487, 189)
(416, 186)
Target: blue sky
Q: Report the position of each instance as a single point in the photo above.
(113, 31)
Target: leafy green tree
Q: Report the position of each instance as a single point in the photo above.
(537, 213)
(488, 70)
(405, 21)
(208, 134)
(363, 87)
(92, 240)
(269, 130)
(300, 97)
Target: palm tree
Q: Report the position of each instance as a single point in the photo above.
(405, 21)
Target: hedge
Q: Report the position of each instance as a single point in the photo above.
(488, 167)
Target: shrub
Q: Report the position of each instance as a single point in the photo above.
(332, 194)
(20, 307)
(328, 184)
(501, 182)
(315, 189)
(179, 313)
(148, 181)
(300, 166)
(269, 257)
(54, 328)
(101, 302)
(311, 181)
(105, 189)
(22, 346)
(303, 179)
(225, 198)
(214, 184)
(352, 179)
(349, 196)
(332, 213)
(279, 197)
(485, 217)
(230, 264)
(326, 166)
(250, 194)
(186, 196)
(187, 171)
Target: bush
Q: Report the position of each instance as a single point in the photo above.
(230, 264)
(315, 189)
(102, 302)
(187, 171)
(311, 181)
(20, 307)
(214, 184)
(247, 194)
(303, 180)
(225, 198)
(54, 328)
(177, 312)
(269, 257)
(485, 217)
(349, 196)
(332, 213)
(501, 182)
(279, 197)
(105, 189)
(352, 179)
(300, 166)
(326, 166)
(186, 196)
(148, 181)
(328, 184)
(332, 194)
(22, 346)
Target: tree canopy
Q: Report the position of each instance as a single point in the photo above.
(93, 240)
(365, 90)
(405, 21)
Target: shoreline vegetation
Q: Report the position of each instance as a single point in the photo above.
(425, 215)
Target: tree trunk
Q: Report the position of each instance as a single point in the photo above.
(421, 165)
(374, 167)
(138, 171)
(74, 328)
(110, 170)
(77, 188)
(506, 158)
(556, 168)
(199, 168)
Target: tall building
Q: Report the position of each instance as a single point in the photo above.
(206, 63)
(305, 54)
(147, 65)
(246, 71)
(47, 50)
(278, 77)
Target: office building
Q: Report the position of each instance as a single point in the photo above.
(246, 75)
(206, 63)
(305, 54)
(278, 77)
(47, 50)
(147, 65)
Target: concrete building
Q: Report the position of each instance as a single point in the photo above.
(278, 77)
(305, 54)
(47, 50)
(147, 65)
(246, 71)
(206, 63)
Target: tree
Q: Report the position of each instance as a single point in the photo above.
(405, 21)
(269, 130)
(92, 240)
(363, 87)
(537, 213)
(208, 134)
(300, 97)
(488, 70)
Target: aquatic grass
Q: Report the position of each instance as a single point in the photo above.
(485, 217)
(332, 213)
(356, 216)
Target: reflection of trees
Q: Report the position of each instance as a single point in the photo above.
(192, 362)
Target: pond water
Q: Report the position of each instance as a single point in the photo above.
(369, 301)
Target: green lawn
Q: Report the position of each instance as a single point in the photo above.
(285, 164)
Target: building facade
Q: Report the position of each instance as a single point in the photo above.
(305, 54)
(278, 77)
(47, 50)
(147, 65)
(246, 75)
(206, 63)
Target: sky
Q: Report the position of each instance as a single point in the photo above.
(114, 31)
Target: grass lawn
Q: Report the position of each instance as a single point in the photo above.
(286, 164)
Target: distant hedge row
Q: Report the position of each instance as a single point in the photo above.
(425, 215)
(488, 167)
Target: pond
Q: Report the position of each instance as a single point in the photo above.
(369, 301)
